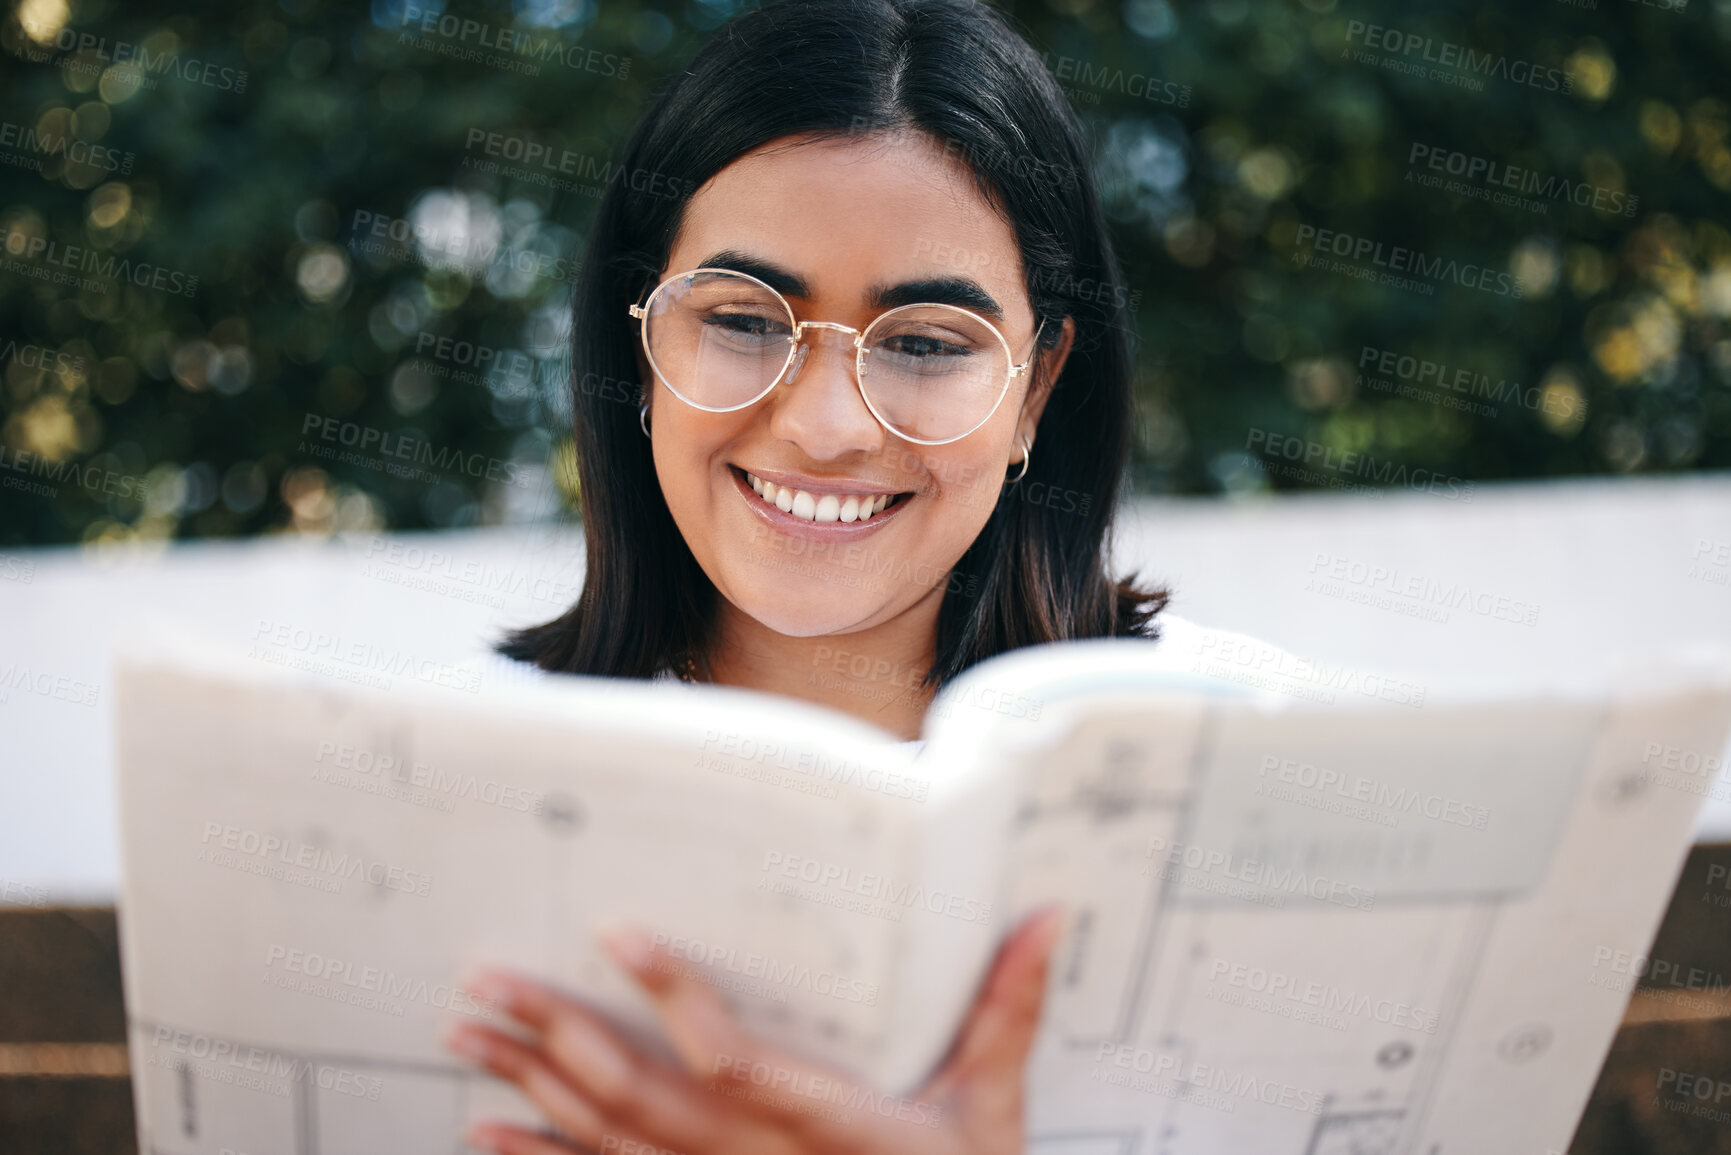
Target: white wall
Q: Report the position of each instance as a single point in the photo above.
(1604, 570)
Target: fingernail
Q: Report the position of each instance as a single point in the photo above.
(470, 1044)
(1052, 923)
(486, 1137)
(492, 987)
(629, 945)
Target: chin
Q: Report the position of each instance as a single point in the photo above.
(807, 606)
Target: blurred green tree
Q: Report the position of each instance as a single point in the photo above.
(301, 265)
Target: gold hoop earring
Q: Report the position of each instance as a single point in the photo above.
(1027, 455)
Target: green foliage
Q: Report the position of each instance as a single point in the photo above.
(216, 323)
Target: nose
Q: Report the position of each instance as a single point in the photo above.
(799, 355)
(818, 405)
(810, 331)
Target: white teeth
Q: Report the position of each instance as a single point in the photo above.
(831, 507)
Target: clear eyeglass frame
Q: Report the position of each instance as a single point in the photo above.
(860, 336)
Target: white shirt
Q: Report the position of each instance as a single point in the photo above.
(1182, 647)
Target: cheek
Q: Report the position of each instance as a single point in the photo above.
(966, 487)
(687, 444)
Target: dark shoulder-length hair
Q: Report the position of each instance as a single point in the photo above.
(954, 71)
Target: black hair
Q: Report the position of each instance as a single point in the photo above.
(954, 71)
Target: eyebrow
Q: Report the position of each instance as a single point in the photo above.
(786, 283)
(964, 292)
(961, 291)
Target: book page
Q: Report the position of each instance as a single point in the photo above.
(311, 869)
(1304, 932)
(1378, 930)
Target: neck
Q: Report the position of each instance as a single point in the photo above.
(874, 674)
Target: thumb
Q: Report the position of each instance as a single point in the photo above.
(999, 1030)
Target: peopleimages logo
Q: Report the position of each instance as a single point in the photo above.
(1327, 998)
(164, 62)
(65, 262)
(1381, 472)
(1138, 85)
(1686, 1085)
(775, 1082)
(41, 357)
(370, 987)
(1228, 1087)
(306, 856)
(98, 482)
(353, 660)
(1658, 972)
(821, 767)
(437, 571)
(1478, 170)
(1422, 595)
(476, 40)
(1357, 788)
(878, 888)
(767, 968)
(1200, 860)
(381, 236)
(1422, 372)
(1316, 247)
(216, 1058)
(1260, 664)
(1464, 64)
(75, 151)
(59, 687)
(454, 784)
(409, 448)
(539, 163)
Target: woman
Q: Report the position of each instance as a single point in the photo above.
(856, 264)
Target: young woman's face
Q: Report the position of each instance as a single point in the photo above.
(840, 228)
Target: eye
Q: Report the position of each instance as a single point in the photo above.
(740, 322)
(741, 325)
(917, 345)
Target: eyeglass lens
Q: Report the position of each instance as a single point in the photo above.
(721, 340)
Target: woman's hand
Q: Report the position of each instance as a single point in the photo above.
(730, 1094)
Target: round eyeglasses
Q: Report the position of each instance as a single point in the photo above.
(721, 340)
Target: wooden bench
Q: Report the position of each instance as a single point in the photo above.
(65, 1086)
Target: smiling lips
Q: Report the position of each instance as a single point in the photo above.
(828, 507)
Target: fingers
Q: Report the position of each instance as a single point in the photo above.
(595, 1059)
(727, 1058)
(1000, 1028)
(579, 1071)
(515, 1141)
(527, 1067)
(702, 1029)
(593, 1084)
(530, 1003)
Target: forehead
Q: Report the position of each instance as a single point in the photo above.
(851, 212)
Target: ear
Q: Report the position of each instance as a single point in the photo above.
(1048, 367)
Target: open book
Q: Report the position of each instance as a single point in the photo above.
(1388, 924)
